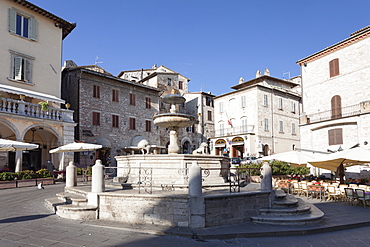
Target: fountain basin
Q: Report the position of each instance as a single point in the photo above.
(168, 120)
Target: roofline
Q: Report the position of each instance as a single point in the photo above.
(111, 77)
(66, 26)
(202, 93)
(262, 78)
(139, 70)
(354, 38)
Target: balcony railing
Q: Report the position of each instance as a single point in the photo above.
(343, 112)
(23, 108)
(237, 130)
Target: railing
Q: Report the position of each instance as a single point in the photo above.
(347, 111)
(234, 130)
(23, 108)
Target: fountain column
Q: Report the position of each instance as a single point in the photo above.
(173, 147)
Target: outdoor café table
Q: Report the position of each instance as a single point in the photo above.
(316, 189)
(285, 185)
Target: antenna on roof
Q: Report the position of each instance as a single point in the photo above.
(97, 58)
(286, 73)
(201, 87)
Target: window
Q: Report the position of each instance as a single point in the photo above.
(209, 101)
(96, 118)
(115, 121)
(336, 107)
(265, 100)
(266, 124)
(243, 101)
(281, 126)
(22, 24)
(96, 91)
(293, 107)
(21, 68)
(293, 129)
(334, 67)
(163, 105)
(148, 103)
(335, 136)
(221, 106)
(148, 126)
(132, 99)
(181, 85)
(221, 129)
(280, 104)
(132, 123)
(169, 82)
(115, 95)
(244, 125)
(209, 116)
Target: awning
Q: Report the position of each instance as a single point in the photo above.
(220, 145)
(30, 93)
(237, 143)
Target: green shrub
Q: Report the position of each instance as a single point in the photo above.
(278, 168)
(80, 171)
(7, 176)
(43, 173)
(89, 170)
(26, 174)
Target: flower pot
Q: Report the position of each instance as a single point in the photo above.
(26, 183)
(8, 184)
(45, 181)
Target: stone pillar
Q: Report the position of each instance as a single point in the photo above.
(173, 148)
(197, 207)
(18, 161)
(97, 183)
(71, 175)
(266, 177)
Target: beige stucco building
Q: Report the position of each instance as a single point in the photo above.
(30, 47)
(259, 118)
(335, 95)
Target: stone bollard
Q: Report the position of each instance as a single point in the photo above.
(195, 180)
(97, 183)
(197, 207)
(71, 175)
(266, 177)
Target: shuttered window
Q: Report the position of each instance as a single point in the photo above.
(115, 95)
(181, 85)
(21, 68)
(96, 91)
(132, 99)
(334, 67)
(266, 124)
(22, 24)
(209, 116)
(132, 123)
(265, 100)
(243, 101)
(336, 107)
(96, 118)
(148, 126)
(335, 136)
(115, 121)
(148, 103)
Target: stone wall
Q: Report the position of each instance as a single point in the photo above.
(234, 208)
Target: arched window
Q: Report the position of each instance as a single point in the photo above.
(336, 107)
(186, 147)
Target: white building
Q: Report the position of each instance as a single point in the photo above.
(335, 95)
(30, 47)
(260, 118)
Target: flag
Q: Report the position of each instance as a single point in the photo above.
(229, 122)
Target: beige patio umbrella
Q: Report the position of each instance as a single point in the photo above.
(294, 158)
(337, 161)
(10, 145)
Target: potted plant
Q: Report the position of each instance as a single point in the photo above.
(44, 105)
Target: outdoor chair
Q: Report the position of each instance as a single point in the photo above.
(362, 186)
(297, 188)
(342, 191)
(350, 195)
(360, 193)
(304, 189)
(354, 186)
(333, 193)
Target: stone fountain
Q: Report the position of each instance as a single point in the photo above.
(173, 120)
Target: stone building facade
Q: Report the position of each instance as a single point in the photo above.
(261, 117)
(30, 74)
(110, 111)
(335, 86)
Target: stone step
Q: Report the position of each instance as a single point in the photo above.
(77, 212)
(314, 216)
(301, 209)
(286, 202)
(71, 198)
(53, 202)
(280, 194)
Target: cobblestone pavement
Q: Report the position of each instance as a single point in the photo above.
(26, 221)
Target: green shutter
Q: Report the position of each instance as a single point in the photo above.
(12, 20)
(33, 29)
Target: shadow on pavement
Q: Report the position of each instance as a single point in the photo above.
(25, 218)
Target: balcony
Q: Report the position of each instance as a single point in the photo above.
(343, 112)
(237, 130)
(22, 108)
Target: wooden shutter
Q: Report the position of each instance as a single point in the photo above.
(334, 67)
(96, 118)
(335, 136)
(336, 107)
(32, 29)
(12, 20)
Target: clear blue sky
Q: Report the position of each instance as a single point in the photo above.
(212, 42)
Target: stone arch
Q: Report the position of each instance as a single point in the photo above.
(12, 128)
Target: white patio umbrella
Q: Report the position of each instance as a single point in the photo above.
(294, 158)
(74, 147)
(10, 145)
